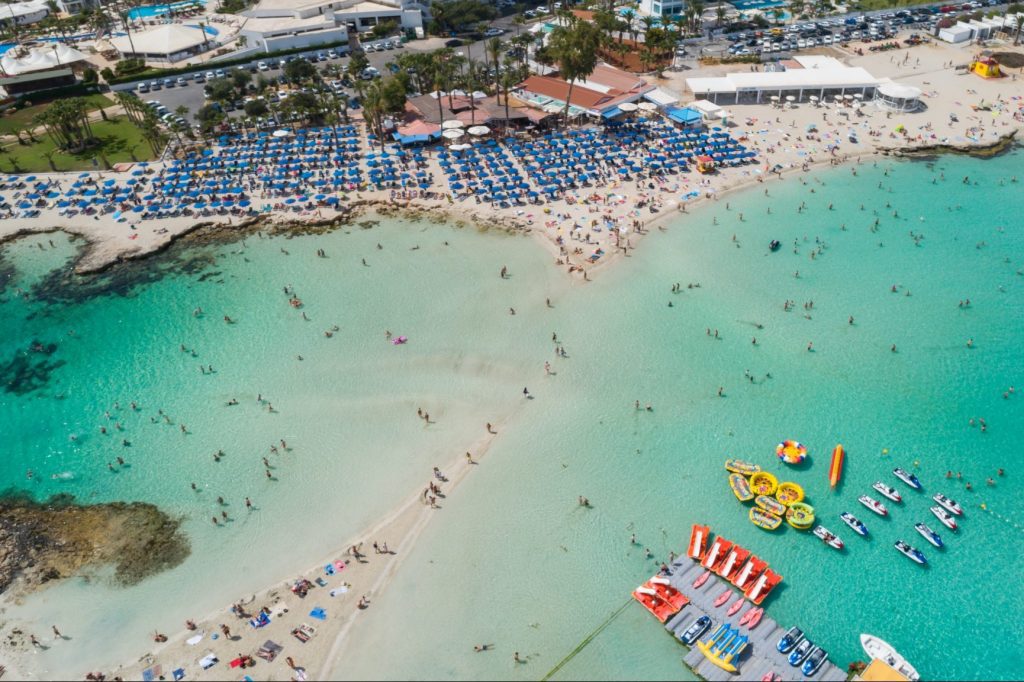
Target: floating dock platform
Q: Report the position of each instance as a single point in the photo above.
(759, 657)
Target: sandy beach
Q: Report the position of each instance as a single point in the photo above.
(310, 645)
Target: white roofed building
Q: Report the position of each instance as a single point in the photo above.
(23, 13)
(39, 68)
(166, 43)
(803, 76)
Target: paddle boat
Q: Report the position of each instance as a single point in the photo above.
(770, 505)
(789, 492)
(740, 487)
(696, 629)
(856, 524)
(698, 542)
(736, 606)
(774, 245)
(763, 483)
(907, 477)
(733, 562)
(835, 469)
(738, 466)
(791, 452)
(789, 640)
(666, 592)
(814, 661)
(928, 534)
(873, 504)
(797, 655)
(763, 586)
(722, 598)
(883, 651)
(828, 537)
(763, 519)
(650, 600)
(723, 647)
(749, 572)
(948, 504)
(800, 515)
(887, 491)
(911, 553)
(944, 517)
(716, 555)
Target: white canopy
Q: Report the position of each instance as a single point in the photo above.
(39, 59)
(166, 40)
(452, 134)
(898, 91)
(452, 123)
(627, 107)
(479, 130)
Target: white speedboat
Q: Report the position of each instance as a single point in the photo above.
(873, 504)
(907, 477)
(944, 516)
(882, 650)
(888, 491)
(948, 504)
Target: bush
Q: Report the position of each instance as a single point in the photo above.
(129, 66)
(89, 75)
(107, 74)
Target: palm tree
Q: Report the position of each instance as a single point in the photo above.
(698, 12)
(574, 48)
(493, 48)
(720, 12)
(1019, 20)
(797, 7)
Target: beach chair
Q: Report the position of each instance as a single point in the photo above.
(178, 674)
(150, 674)
(304, 633)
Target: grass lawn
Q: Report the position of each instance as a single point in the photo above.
(22, 119)
(119, 139)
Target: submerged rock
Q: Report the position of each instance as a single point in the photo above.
(45, 541)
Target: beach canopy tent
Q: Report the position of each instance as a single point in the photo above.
(897, 97)
(662, 98)
(169, 42)
(417, 132)
(689, 118)
(16, 62)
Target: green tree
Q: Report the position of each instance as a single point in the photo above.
(256, 107)
(221, 90)
(299, 71)
(241, 78)
(209, 116)
(574, 48)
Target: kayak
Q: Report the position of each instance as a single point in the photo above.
(735, 607)
(828, 537)
(907, 477)
(699, 582)
(738, 466)
(763, 519)
(928, 534)
(945, 517)
(746, 617)
(856, 524)
(722, 598)
(755, 618)
(763, 483)
(888, 491)
(948, 504)
(740, 487)
(873, 504)
(770, 505)
(835, 469)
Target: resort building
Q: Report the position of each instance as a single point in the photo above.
(39, 68)
(166, 43)
(802, 77)
(661, 8)
(599, 95)
(282, 24)
(23, 13)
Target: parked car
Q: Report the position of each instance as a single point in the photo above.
(331, 54)
(154, 85)
(493, 32)
(168, 83)
(142, 87)
(182, 81)
(262, 66)
(454, 42)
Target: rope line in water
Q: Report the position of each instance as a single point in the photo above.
(582, 645)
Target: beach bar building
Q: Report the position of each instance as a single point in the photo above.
(167, 43)
(896, 97)
(599, 95)
(804, 76)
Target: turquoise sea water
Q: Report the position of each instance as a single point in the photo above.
(513, 560)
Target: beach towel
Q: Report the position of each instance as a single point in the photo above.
(208, 661)
(235, 663)
(260, 621)
(318, 613)
(178, 674)
(150, 674)
(339, 590)
(196, 639)
(269, 651)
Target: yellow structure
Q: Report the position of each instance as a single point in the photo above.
(878, 671)
(986, 67)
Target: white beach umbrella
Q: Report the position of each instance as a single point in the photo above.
(452, 134)
(627, 107)
(479, 130)
(460, 147)
(452, 123)
(775, 98)
(647, 106)
(790, 98)
(282, 133)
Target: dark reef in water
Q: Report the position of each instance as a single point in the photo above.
(45, 541)
(29, 369)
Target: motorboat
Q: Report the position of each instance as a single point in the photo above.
(883, 651)
(907, 477)
(944, 517)
(797, 655)
(703, 578)
(911, 553)
(814, 661)
(790, 640)
(774, 245)
(696, 629)
(856, 524)
(888, 491)
(948, 504)
(828, 537)
(928, 534)
(873, 504)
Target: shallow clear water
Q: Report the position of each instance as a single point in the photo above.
(513, 559)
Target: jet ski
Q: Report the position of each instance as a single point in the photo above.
(814, 661)
(948, 504)
(873, 504)
(828, 537)
(797, 656)
(945, 517)
(929, 535)
(888, 491)
(856, 524)
(911, 553)
(907, 477)
(790, 640)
